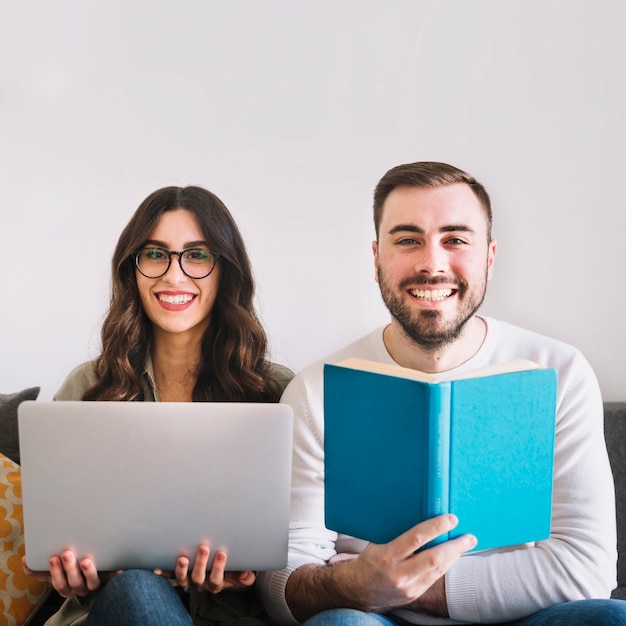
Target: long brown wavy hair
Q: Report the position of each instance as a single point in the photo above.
(234, 365)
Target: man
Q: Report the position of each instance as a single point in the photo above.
(434, 256)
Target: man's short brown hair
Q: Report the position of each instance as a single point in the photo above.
(427, 174)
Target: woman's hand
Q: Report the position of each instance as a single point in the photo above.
(214, 581)
(68, 576)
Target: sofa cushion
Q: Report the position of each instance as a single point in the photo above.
(9, 442)
(615, 434)
(20, 594)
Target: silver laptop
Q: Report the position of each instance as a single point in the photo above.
(136, 484)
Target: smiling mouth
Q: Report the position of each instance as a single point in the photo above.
(177, 299)
(431, 295)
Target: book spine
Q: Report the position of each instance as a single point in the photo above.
(438, 501)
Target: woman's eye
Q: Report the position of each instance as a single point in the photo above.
(155, 254)
(197, 255)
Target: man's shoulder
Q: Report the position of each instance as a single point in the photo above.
(508, 332)
(510, 341)
(305, 391)
(368, 347)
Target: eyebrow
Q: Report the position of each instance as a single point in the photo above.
(412, 228)
(186, 246)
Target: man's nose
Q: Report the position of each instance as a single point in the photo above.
(433, 259)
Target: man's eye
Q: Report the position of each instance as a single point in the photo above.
(455, 241)
(407, 241)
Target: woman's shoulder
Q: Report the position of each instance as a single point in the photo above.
(280, 374)
(81, 378)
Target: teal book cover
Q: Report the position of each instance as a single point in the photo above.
(399, 450)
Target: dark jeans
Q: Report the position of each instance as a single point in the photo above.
(579, 613)
(138, 597)
(141, 598)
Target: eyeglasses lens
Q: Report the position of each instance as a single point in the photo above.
(195, 262)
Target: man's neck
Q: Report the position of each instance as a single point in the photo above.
(407, 353)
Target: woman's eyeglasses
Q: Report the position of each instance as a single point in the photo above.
(194, 262)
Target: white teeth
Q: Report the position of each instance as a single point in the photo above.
(180, 299)
(431, 294)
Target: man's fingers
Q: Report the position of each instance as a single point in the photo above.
(417, 537)
(437, 560)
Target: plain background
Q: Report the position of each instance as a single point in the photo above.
(291, 112)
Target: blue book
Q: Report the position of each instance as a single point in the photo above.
(401, 448)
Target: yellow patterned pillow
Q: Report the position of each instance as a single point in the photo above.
(20, 594)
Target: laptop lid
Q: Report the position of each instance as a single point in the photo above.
(136, 484)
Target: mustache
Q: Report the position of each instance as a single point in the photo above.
(419, 281)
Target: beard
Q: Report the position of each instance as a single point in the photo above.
(429, 329)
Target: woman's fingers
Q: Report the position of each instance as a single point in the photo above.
(216, 579)
(215, 582)
(181, 571)
(90, 574)
(44, 576)
(200, 564)
(71, 578)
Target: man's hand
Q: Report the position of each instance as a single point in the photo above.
(384, 576)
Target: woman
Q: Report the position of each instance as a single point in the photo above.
(181, 326)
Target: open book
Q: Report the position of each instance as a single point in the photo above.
(401, 447)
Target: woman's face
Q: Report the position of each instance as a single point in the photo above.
(175, 303)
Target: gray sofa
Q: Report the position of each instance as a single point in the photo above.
(614, 427)
(615, 434)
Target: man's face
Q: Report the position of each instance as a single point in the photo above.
(433, 260)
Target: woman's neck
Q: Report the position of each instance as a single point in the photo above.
(175, 363)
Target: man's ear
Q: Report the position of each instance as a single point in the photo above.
(375, 251)
(491, 258)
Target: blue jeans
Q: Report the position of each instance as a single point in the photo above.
(138, 598)
(578, 613)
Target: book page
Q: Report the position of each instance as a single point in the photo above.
(517, 365)
(387, 368)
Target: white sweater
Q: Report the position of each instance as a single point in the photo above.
(578, 560)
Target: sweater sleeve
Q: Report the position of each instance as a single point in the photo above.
(578, 561)
(81, 378)
(309, 540)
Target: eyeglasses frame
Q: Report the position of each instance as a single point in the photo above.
(179, 254)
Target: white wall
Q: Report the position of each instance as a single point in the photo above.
(291, 112)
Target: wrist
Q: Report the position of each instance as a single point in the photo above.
(311, 589)
(433, 600)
